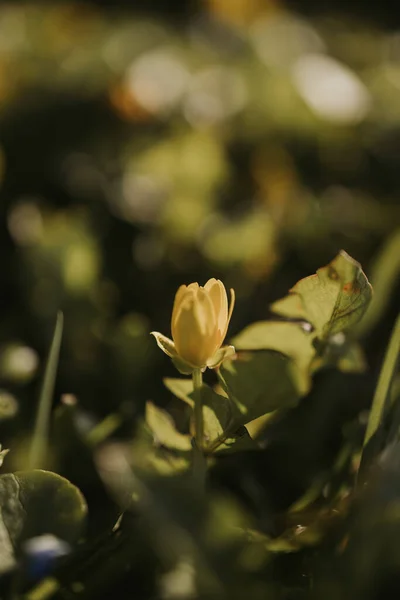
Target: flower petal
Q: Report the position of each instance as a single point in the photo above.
(186, 332)
(211, 334)
(184, 299)
(194, 328)
(204, 312)
(217, 292)
(179, 296)
(231, 307)
(193, 286)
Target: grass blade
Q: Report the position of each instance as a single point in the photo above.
(42, 424)
(381, 397)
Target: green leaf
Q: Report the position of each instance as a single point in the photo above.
(34, 503)
(217, 410)
(259, 383)
(238, 441)
(11, 521)
(165, 463)
(165, 344)
(181, 388)
(164, 430)
(332, 300)
(289, 339)
(147, 457)
(221, 355)
(221, 419)
(217, 413)
(52, 505)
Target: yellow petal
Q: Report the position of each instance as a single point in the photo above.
(217, 292)
(205, 312)
(194, 328)
(212, 338)
(186, 295)
(193, 286)
(183, 290)
(186, 334)
(179, 295)
(231, 306)
(210, 283)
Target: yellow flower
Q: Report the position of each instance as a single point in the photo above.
(200, 319)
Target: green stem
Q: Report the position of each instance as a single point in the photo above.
(198, 408)
(221, 438)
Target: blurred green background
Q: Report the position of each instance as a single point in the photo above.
(140, 149)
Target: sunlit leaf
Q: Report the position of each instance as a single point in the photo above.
(217, 409)
(167, 463)
(181, 388)
(220, 417)
(217, 413)
(288, 338)
(239, 441)
(258, 383)
(164, 430)
(332, 300)
(145, 455)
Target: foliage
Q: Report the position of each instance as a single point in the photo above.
(141, 150)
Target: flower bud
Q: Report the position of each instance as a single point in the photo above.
(199, 323)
